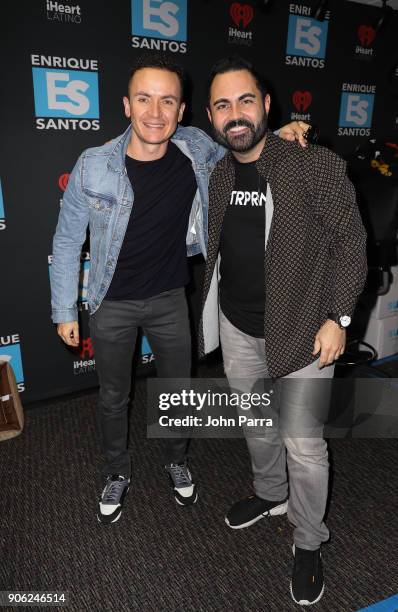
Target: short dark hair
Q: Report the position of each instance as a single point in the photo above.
(161, 62)
(232, 64)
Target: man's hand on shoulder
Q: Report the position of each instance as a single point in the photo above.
(330, 342)
(295, 131)
(69, 332)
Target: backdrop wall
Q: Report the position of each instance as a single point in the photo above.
(65, 73)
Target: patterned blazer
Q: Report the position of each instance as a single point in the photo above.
(315, 258)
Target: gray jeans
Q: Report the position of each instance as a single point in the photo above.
(304, 398)
(114, 326)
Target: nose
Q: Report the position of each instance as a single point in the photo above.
(235, 111)
(155, 108)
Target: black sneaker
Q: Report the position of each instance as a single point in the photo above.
(181, 480)
(306, 585)
(111, 502)
(248, 511)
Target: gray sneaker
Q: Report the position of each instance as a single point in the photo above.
(181, 480)
(111, 502)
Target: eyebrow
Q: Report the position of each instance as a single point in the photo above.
(245, 95)
(144, 93)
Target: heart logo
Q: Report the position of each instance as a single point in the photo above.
(366, 35)
(63, 181)
(241, 13)
(302, 100)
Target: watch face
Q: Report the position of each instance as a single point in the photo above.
(345, 320)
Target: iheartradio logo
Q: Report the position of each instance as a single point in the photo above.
(301, 100)
(86, 349)
(241, 13)
(63, 181)
(366, 35)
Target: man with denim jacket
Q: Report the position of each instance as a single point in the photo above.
(138, 258)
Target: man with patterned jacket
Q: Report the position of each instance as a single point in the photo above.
(286, 262)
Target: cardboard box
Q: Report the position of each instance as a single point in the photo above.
(382, 334)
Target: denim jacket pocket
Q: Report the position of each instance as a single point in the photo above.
(100, 210)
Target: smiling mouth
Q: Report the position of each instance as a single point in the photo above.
(236, 131)
(154, 126)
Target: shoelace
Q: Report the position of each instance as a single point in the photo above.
(113, 491)
(180, 475)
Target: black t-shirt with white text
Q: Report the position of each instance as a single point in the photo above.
(153, 256)
(242, 247)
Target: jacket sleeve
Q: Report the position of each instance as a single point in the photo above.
(336, 207)
(69, 237)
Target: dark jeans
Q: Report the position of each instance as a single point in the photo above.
(114, 326)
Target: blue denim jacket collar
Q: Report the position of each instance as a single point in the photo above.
(116, 161)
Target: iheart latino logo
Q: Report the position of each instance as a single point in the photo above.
(302, 100)
(86, 349)
(241, 13)
(366, 35)
(63, 181)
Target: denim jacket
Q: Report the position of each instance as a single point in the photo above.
(99, 195)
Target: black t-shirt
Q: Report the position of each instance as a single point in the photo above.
(242, 285)
(153, 256)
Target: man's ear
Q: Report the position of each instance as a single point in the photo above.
(209, 114)
(267, 103)
(127, 108)
(181, 111)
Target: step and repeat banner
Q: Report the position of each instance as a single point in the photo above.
(65, 73)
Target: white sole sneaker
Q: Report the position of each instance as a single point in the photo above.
(105, 519)
(305, 602)
(278, 510)
(110, 522)
(190, 503)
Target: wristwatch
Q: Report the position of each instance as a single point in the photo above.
(342, 321)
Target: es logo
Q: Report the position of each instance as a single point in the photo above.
(160, 19)
(65, 93)
(306, 41)
(302, 100)
(306, 36)
(366, 35)
(241, 14)
(356, 110)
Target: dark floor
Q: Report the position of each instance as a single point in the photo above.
(163, 557)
